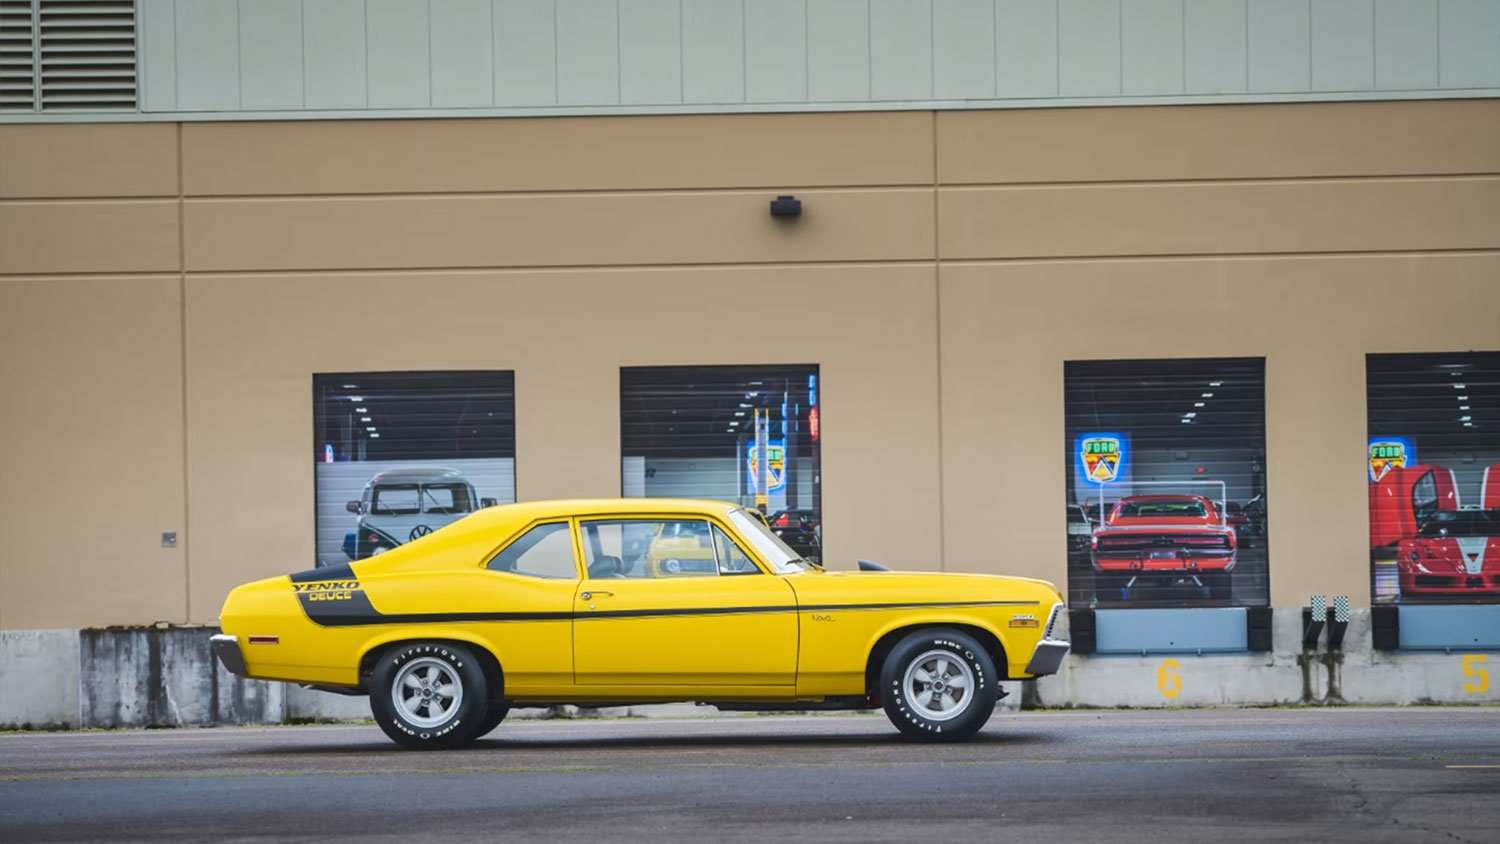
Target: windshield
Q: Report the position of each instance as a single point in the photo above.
(783, 559)
(395, 500)
(1458, 523)
(446, 499)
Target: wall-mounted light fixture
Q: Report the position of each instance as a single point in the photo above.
(786, 206)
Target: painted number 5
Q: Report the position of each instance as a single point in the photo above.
(1168, 681)
(1481, 677)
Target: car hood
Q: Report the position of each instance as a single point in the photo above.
(920, 587)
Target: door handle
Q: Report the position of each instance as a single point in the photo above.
(588, 595)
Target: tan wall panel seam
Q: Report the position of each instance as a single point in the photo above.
(768, 192)
(86, 200)
(1236, 180)
(1216, 256)
(557, 268)
(122, 276)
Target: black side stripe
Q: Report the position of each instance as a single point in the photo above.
(331, 614)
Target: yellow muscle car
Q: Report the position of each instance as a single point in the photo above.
(545, 603)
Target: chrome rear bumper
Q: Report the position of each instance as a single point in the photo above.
(227, 649)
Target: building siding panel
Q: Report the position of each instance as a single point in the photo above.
(567, 230)
(208, 55)
(1215, 38)
(838, 50)
(1026, 48)
(333, 49)
(1343, 45)
(1088, 36)
(650, 51)
(271, 54)
(463, 53)
(1373, 215)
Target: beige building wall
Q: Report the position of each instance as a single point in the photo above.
(939, 276)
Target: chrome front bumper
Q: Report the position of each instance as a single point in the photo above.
(1047, 657)
(1049, 653)
(227, 649)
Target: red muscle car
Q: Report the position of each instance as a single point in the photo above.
(1173, 535)
(1455, 553)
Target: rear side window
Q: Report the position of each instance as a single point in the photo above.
(544, 551)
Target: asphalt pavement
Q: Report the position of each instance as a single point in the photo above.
(1367, 775)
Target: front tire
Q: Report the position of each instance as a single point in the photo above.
(939, 684)
(429, 695)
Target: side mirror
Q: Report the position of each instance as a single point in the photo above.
(488, 502)
(352, 506)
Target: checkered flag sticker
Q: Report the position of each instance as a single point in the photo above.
(1341, 609)
(1319, 607)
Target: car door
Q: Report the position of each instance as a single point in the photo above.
(527, 599)
(675, 601)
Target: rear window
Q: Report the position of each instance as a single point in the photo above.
(1176, 509)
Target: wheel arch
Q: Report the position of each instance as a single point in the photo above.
(886, 642)
(494, 674)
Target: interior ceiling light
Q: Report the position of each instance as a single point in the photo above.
(1216, 383)
(351, 386)
(369, 427)
(1463, 407)
(1188, 415)
(1468, 424)
(374, 436)
(1187, 421)
(1463, 398)
(356, 398)
(739, 413)
(1465, 418)
(1197, 404)
(745, 404)
(361, 410)
(1208, 395)
(1460, 386)
(365, 419)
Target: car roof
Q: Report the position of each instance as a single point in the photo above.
(417, 474)
(527, 511)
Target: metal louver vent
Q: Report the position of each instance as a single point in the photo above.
(17, 56)
(67, 55)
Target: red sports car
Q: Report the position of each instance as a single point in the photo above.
(1178, 536)
(1455, 553)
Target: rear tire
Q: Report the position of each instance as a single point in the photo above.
(429, 695)
(939, 684)
(493, 715)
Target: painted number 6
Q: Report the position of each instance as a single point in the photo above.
(1481, 683)
(1168, 681)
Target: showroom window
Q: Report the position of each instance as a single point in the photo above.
(1166, 482)
(398, 455)
(1434, 477)
(744, 434)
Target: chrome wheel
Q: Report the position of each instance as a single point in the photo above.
(427, 691)
(938, 685)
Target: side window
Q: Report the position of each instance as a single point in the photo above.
(649, 548)
(544, 551)
(731, 559)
